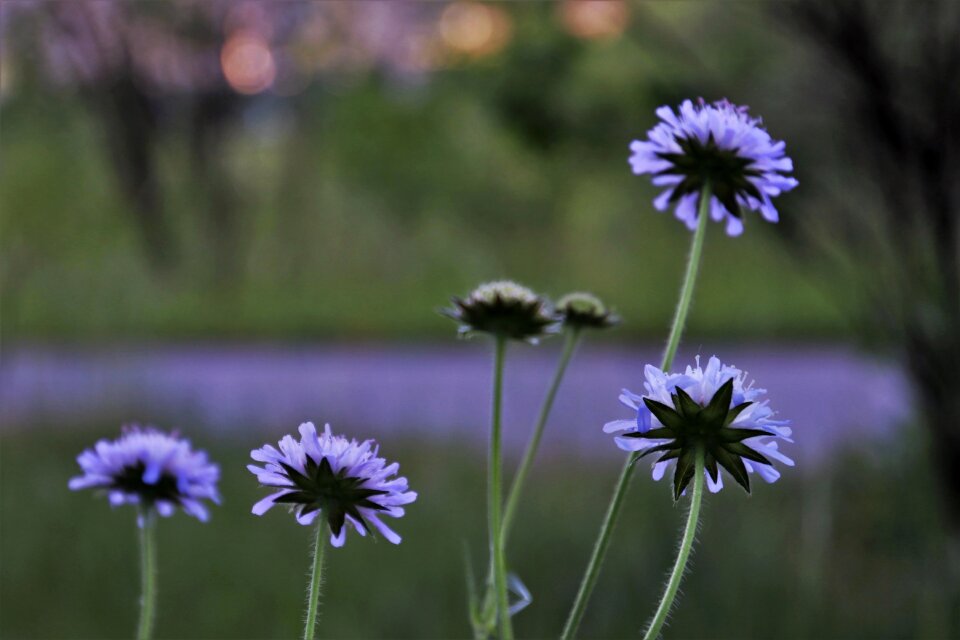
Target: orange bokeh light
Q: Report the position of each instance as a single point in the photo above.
(475, 28)
(248, 63)
(595, 19)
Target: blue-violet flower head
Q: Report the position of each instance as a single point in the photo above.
(718, 144)
(344, 480)
(710, 409)
(150, 468)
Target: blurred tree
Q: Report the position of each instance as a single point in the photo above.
(891, 78)
(141, 68)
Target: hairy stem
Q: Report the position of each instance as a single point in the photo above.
(623, 482)
(495, 495)
(516, 486)
(683, 553)
(148, 574)
(689, 280)
(513, 497)
(316, 580)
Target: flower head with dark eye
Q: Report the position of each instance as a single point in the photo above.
(504, 309)
(709, 411)
(343, 480)
(719, 145)
(585, 310)
(152, 469)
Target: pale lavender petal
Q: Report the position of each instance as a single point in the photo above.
(265, 505)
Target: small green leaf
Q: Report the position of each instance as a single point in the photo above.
(296, 477)
(363, 494)
(734, 412)
(667, 416)
(683, 474)
(324, 470)
(736, 435)
(297, 497)
(688, 407)
(336, 515)
(663, 447)
(734, 465)
(742, 450)
(711, 465)
(719, 404)
(353, 513)
(656, 434)
(366, 504)
(309, 508)
(670, 455)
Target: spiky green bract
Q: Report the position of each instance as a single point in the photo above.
(584, 310)
(335, 493)
(505, 309)
(691, 427)
(700, 163)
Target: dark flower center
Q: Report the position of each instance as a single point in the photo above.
(725, 170)
(130, 480)
(511, 318)
(337, 494)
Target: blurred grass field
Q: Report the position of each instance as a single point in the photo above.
(850, 550)
(362, 222)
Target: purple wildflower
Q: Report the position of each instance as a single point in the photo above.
(719, 145)
(148, 467)
(677, 414)
(342, 478)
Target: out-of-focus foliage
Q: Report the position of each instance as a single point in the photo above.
(357, 204)
(892, 228)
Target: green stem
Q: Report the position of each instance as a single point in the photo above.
(613, 510)
(495, 496)
(686, 293)
(513, 497)
(316, 580)
(686, 544)
(148, 574)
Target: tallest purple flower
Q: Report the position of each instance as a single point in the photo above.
(716, 145)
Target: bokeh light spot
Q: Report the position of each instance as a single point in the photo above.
(248, 63)
(475, 28)
(595, 19)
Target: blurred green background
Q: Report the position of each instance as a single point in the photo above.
(316, 173)
(852, 550)
(357, 206)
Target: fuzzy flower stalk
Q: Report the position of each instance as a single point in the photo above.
(713, 161)
(158, 473)
(698, 422)
(341, 484)
(576, 312)
(506, 311)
